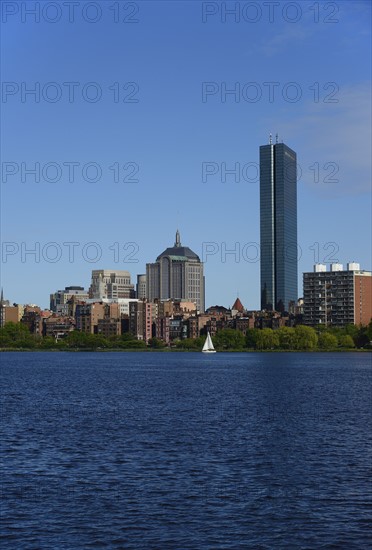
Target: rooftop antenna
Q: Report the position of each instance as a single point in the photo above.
(177, 244)
(270, 139)
(276, 138)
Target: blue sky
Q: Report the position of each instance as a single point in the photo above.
(318, 64)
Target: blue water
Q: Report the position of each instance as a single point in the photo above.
(186, 451)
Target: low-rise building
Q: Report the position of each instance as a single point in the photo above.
(141, 319)
(162, 328)
(58, 327)
(33, 318)
(12, 314)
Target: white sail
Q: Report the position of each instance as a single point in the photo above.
(208, 345)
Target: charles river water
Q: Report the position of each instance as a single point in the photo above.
(186, 451)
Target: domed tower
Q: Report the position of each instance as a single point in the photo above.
(177, 274)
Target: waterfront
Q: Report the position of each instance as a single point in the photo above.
(186, 451)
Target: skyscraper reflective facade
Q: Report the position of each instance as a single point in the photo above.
(278, 226)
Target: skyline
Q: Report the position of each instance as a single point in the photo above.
(133, 277)
(178, 135)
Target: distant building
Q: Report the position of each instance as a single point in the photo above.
(219, 311)
(122, 303)
(10, 314)
(111, 284)
(109, 327)
(337, 297)
(58, 327)
(3, 305)
(141, 319)
(243, 324)
(192, 327)
(33, 318)
(177, 328)
(237, 308)
(98, 318)
(177, 274)
(60, 299)
(87, 316)
(169, 308)
(141, 287)
(278, 226)
(162, 328)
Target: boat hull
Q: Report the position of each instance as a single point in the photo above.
(208, 351)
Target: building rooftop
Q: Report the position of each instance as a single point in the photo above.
(238, 306)
(179, 252)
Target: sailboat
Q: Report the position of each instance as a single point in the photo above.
(208, 345)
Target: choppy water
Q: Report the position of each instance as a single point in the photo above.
(184, 451)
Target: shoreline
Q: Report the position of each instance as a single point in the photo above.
(167, 350)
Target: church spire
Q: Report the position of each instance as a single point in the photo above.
(177, 244)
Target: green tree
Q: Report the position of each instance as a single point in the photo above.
(78, 340)
(97, 341)
(346, 341)
(305, 338)
(48, 342)
(267, 338)
(16, 335)
(327, 340)
(362, 337)
(189, 343)
(229, 338)
(137, 344)
(156, 343)
(286, 337)
(351, 330)
(251, 337)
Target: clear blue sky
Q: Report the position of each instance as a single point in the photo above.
(169, 132)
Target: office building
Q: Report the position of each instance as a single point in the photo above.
(111, 285)
(141, 287)
(60, 299)
(278, 226)
(177, 274)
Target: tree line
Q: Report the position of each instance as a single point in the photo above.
(299, 338)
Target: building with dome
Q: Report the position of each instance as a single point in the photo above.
(177, 274)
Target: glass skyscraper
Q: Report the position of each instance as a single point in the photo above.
(278, 226)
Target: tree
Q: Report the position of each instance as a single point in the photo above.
(229, 338)
(78, 340)
(267, 338)
(286, 337)
(327, 340)
(352, 330)
(48, 343)
(305, 338)
(362, 337)
(156, 343)
(189, 343)
(251, 337)
(346, 341)
(16, 335)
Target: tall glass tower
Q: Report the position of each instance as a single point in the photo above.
(278, 225)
